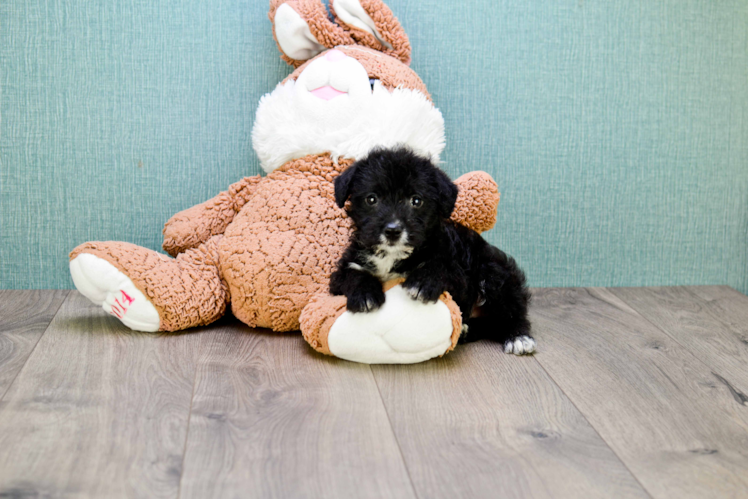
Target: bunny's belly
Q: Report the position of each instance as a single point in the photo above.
(281, 249)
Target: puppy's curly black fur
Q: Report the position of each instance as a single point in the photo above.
(400, 204)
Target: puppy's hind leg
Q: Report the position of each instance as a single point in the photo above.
(503, 316)
(515, 337)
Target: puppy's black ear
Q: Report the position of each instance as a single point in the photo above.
(447, 192)
(343, 185)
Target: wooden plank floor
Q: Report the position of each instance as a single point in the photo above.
(637, 392)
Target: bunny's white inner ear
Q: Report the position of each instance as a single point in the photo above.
(352, 14)
(294, 36)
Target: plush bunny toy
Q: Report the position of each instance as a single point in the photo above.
(268, 245)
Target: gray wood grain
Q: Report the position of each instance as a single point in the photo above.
(98, 410)
(24, 316)
(674, 424)
(715, 334)
(272, 418)
(481, 423)
(728, 305)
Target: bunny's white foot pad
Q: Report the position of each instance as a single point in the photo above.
(104, 285)
(403, 330)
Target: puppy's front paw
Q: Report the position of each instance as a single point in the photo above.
(524, 344)
(425, 290)
(365, 301)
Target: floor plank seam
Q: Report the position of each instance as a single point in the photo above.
(31, 352)
(714, 371)
(594, 428)
(187, 432)
(394, 435)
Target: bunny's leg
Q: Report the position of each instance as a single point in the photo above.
(149, 291)
(403, 330)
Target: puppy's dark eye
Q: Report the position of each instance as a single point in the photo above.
(416, 201)
(371, 199)
(372, 81)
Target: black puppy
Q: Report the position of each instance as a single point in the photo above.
(400, 205)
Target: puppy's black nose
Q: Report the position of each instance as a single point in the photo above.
(393, 230)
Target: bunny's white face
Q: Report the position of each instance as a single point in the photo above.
(334, 75)
(334, 105)
(352, 89)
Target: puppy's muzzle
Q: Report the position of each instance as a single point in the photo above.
(393, 231)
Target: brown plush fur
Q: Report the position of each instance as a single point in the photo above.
(477, 201)
(269, 244)
(277, 252)
(187, 291)
(387, 25)
(282, 247)
(314, 13)
(190, 227)
(333, 35)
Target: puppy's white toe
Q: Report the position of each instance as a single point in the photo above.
(520, 345)
(529, 344)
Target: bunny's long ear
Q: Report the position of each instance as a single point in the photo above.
(302, 30)
(371, 23)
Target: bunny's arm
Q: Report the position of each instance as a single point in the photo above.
(477, 201)
(189, 228)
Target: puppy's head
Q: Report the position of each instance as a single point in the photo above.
(397, 198)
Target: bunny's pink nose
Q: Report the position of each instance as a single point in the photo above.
(334, 55)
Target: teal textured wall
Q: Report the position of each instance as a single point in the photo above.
(617, 131)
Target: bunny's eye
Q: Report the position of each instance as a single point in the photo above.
(372, 81)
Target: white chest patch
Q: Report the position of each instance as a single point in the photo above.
(385, 257)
